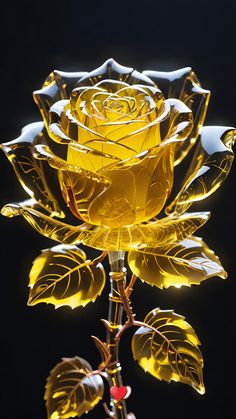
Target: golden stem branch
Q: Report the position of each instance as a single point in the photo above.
(117, 280)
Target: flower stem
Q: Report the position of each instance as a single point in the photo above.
(117, 276)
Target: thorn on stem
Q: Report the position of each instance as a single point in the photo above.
(107, 325)
(104, 352)
(109, 412)
(99, 259)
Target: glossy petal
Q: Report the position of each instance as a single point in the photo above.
(62, 275)
(111, 142)
(58, 85)
(178, 125)
(169, 349)
(139, 184)
(109, 197)
(183, 84)
(210, 166)
(48, 226)
(169, 229)
(113, 70)
(108, 143)
(72, 389)
(148, 234)
(79, 187)
(138, 190)
(176, 264)
(11, 210)
(35, 176)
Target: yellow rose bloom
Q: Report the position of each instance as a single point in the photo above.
(112, 137)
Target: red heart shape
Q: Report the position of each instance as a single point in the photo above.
(118, 392)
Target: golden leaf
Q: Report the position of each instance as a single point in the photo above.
(63, 276)
(35, 176)
(209, 168)
(182, 263)
(72, 389)
(168, 349)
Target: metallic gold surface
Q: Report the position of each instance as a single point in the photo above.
(108, 146)
(168, 229)
(34, 175)
(175, 264)
(169, 349)
(62, 276)
(72, 389)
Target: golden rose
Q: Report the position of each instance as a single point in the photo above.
(113, 137)
(125, 132)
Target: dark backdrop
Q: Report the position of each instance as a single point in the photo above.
(37, 37)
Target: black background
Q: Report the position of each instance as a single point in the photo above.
(37, 37)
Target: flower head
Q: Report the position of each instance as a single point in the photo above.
(112, 137)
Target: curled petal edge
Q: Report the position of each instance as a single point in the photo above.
(34, 176)
(183, 84)
(57, 86)
(209, 168)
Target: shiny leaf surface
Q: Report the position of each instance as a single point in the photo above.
(72, 389)
(183, 263)
(167, 348)
(62, 276)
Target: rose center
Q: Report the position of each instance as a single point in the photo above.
(120, 105)
(116, 106)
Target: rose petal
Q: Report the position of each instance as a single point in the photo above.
(113, 70)
(33, 175)
(138, 190)
(136, 135)
(58, 85)
(178, 125)
(43, 152)
(210, 166)
(11, 210)
(183, 84)
(112, 86)
(79, 187)
(169, 229)
(101, 198)
(47, 226)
